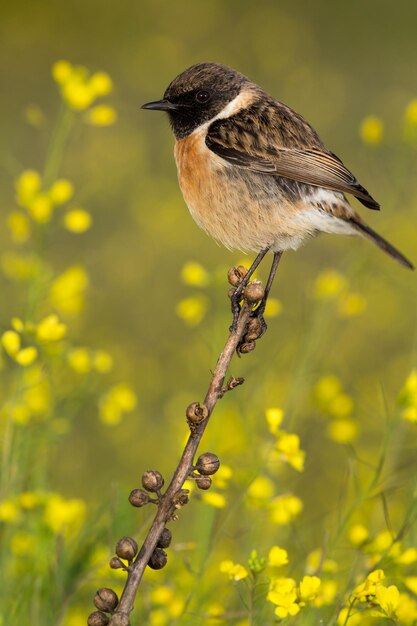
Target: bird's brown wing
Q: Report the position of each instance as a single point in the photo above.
(311, 166)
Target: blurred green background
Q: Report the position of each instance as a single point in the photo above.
(336, 64)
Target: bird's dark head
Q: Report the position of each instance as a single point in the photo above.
(198, 95)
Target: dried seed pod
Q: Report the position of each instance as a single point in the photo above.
(158, 559)
(138, 497)
(106, 599)
(152, 480)
(120, 619)
(246, 347)
(165, 538)
(236, 274)
(115, 563)
(97, 618)
(254, 291)
(126, 548)
(203, 482)
(207, 463)
(196, 412)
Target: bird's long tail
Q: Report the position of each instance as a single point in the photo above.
(367, 232)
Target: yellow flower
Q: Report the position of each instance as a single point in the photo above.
(327, 388)
(40, 208)
(77, 93)
(101, 115)
(9, 511)
(277, 557)
(78, 221)
(326, 593)
(273, 307)
(407, 557)
(192, 310)
(282, 592)
(20, 413)
(407, 397)
(118, 400)
(27, 186)
(61, 191)
(79, 360)
(309, 588)
(285, 508)
(11, 342)
(19, 267)
(274, 417)
(343, 430)
(288, 447)
(26, 356)
(64, 516)
(411, 583)
(101, 84)
(194, 274)
(358, 534)
(387, 598)
(235, 571)
(351, 305)
(371, 130)
(368, 587)
(102, 361)
(19, 226)
(411, 113)
(262, 488)
(67, 290)
(51, 329)
(216, 500)
(223, 475)
(22, 544)
(406, 610)
(315, 561)
(162, 595)
(62, 71)
(329, 284)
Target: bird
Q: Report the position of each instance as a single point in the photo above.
(254, 173)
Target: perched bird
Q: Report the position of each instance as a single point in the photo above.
(254, 174)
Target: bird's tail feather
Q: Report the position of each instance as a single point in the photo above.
(367, 232)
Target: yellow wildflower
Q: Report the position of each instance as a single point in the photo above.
(371, 130)
(102, 361)
(40, 208)
(61, 191)
(407, 557)
(261, 488)
(326, 593)
(101, 115)
(216, 500)
(285, 508)
(67, 290)
(406, 610)
(77, 93)
(277, 557)
(358, 534)
(288, 447)
(19, 226)
(118, 400)
(79, 360)
(282, 592)
(309, 588)
(273, 307)
(411, 113)
(343, 430)
(315, 561)
(19, 267)
(192, 310)
(223, 475)
(235, 571)
(368, 587)
(407, 397)
(61, 71)
(22, 544)
(11, 342)
(101, 84)
(27, 186)
(194, 274)
(351, 305)
(162, 595)
(387, 598)
(411, 583)
(64, 516)
(274, 417)
(78, 221)
(329, 284)
(20, 413)
(9, 511)
(26, 356)
(51, 329)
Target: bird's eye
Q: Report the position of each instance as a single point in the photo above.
(202, 96)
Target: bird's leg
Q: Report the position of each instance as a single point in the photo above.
(260, 310)
(237, 294)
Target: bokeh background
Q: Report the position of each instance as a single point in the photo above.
(149, 311)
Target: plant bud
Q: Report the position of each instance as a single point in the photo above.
(236, 274)
(152, 480)
(254, 291)
(106, 599)
(127, 548)
(97, 619)
(120, 619)
(207, 463)
(116, 563)
(138, 497)
(196, 412)
(180, 498)
(165, 538)
(203, 482)
(158, 559)
(246, 347)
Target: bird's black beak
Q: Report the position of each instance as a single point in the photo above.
(160, 105)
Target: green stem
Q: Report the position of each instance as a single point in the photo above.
(57, 145)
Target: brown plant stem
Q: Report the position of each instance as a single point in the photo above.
(169, 501)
